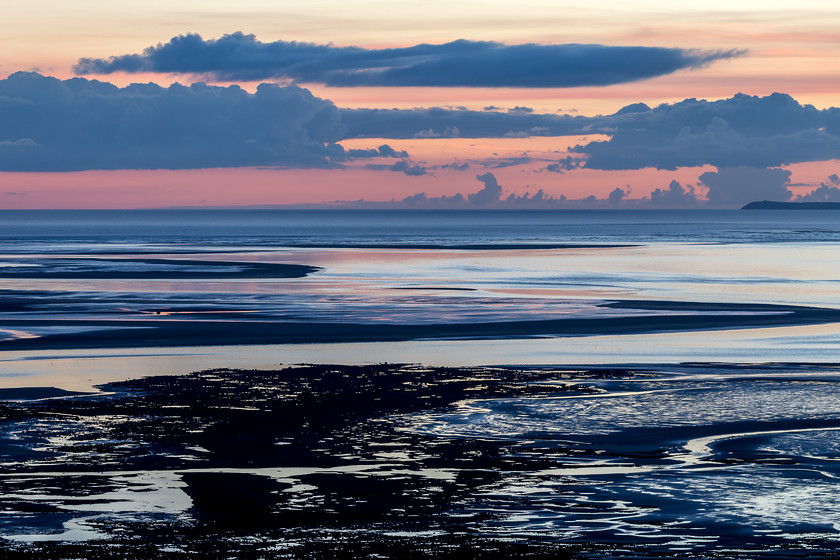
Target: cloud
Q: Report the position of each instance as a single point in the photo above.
(828, 191)
(463, 166)
(52, 125)
(498, 163)
(489, 196)
(460, 63)
(674, 195)
(28, 142)
(741, 131)
(740, 185)
(420, 199)
(617, 195)
(408, 168)
(454, 123)
(448, 132)
(565, 164)
(382, 151)
(402, 166)
(491, 192)
(539, 198)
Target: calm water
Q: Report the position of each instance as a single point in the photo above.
(55, 228)
(400, 267)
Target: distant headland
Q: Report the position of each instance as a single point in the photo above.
(772, 205)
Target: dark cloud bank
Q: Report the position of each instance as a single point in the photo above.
(461, 63)
(743, 130)
(48, 124)
(52, 125)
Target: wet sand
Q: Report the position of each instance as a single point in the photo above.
(91, 268)
(204, 327)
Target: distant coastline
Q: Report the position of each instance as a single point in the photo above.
(773, 205)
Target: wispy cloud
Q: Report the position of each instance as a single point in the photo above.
(459, 63)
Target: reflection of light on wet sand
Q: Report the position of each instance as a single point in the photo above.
(701, 448)
(162, 492)
(741, 272)
(74, 530)
(16, 334)
(82, 369)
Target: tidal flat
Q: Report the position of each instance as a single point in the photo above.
(666, 384)
(406, 461)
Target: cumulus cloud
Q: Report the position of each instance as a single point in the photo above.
(459, 63)
(491, 192)
(740, 185)
(741, 131)
(421, 199)
(828, 191)
(490, 196)
(675, 195)
(617, 195)
(52, 125)
(539, 198)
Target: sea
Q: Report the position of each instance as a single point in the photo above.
(75, 275)
(415, 267)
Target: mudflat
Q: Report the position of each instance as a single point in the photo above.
(356, 461)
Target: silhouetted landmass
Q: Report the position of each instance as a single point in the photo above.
(773, 205)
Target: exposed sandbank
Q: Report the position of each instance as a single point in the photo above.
(70, 268)
(213, 330)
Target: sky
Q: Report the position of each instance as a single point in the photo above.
(467, 104)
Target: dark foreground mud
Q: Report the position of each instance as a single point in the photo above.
(329, 462)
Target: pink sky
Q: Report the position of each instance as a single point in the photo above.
(795, 50)
(256, 186)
